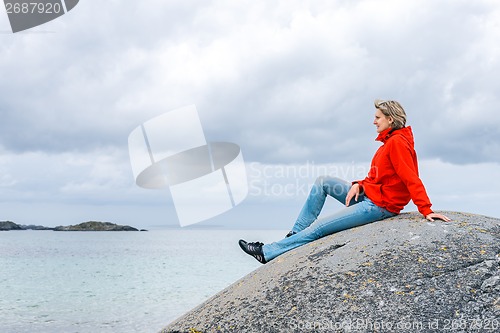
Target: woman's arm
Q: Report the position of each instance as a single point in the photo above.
(404, 160)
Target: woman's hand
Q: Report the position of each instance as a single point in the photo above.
(353, 192)
(433, 216)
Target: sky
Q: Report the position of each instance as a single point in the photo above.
(292, 82)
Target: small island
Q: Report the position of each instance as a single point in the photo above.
(96, 226)
(9, 225)
(85, 226)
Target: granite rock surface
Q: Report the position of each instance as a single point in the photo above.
(402, 274)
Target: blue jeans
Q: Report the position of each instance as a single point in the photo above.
(309, 227)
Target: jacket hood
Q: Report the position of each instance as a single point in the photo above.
(405, 132)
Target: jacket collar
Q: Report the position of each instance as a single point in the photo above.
(385, 134)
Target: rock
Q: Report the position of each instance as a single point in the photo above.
(95, 226)
(9, 225)
(491, 283)
(35, 227)
(402, 274)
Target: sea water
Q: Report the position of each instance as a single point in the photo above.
(115, 281)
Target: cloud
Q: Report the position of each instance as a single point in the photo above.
(304, 73)
(289, 81)
(64, 177)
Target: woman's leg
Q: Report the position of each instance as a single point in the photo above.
(323, 186)
(362, 213)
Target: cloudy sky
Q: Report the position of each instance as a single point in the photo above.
(291, 81)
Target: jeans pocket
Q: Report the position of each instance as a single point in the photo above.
(374, 209)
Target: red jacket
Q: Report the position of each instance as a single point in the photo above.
(393, 178)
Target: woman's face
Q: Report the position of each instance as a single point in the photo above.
(381, 121)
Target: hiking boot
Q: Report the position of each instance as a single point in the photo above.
(253, 249)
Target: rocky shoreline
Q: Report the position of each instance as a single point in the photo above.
(84, 226)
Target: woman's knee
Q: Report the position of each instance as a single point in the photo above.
(332, 185)
(329, 180)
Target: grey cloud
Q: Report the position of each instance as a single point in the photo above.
(413, 63)
(290, 81)
(300, 82)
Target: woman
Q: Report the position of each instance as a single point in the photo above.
(391, 182)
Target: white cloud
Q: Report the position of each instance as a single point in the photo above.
(462, 187)
(289, 81)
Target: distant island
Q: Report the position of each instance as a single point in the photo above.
(9, 225)
(96, 226)
(85, 226)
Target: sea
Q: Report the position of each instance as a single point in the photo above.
(115, 281)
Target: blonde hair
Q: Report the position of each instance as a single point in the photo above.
(394, 110)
